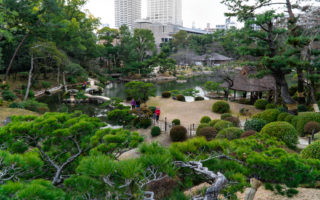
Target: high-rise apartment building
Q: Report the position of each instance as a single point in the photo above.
(165, 11)
(127, 12)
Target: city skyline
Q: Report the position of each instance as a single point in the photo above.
(165, 11)
(127, 12)
(199, 11)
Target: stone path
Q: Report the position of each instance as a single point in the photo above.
(302, 143)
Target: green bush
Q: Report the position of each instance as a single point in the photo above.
(45, 84)
(270, 106)
(230, 133)
(152, 108)
(311, 127)
(222, 124)
(254, 124)
(15, 105)
(225, 115)
(303, 119)
(261, 104)
(201, 126)
(199, 99)
(234, 120)
(208, 132)
(145, 123)
(8, 95)
(4, 86)
(155, 131)
(221, 107)
(178, 134)
(1, 102)
(283, 131)
(282, 116)
(302, 108)
(294, 121)
(166, 94)
(120, 117)
(213, 122)
(270, 115)
(205, 120)
(312, 151)
(176, 122)
(180, 97)
(248, 133)
(288, 118)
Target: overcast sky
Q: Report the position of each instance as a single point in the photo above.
(199, 11)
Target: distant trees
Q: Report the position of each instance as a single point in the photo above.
(140, 90)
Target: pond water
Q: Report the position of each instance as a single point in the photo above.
(117, 89)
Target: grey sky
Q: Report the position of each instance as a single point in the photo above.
(199, 11)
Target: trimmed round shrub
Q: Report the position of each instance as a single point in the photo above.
(302, 108)
(270, 115)
(166, 94)
(145, 123)
(311, 127)
(294, 121)
(178, 133)
(261, 104)
(312, 151)
(213, 122)
(283, 131)
(234, 120)
(199, 99)
(176, 122)
(303, 118)
(225, 115)
(208, 132)
(205, 119)
(180, 97)
(248, 133)
(289, 118)
(201, 126)
(282, 116)
(8, 95)
(270, 106)
(230, 133)
(254, 124)
(222, 124)
(155, 131)
(221, 107)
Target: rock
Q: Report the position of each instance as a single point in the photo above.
(7, 121)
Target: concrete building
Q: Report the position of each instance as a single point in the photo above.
(127, 12)
(227, 26)
(165, 11)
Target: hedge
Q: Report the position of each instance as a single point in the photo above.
(254, 124)
(283, 131)
(230, 133)
(222, 124)
(261, 104)
(303, 119)
(221, 107)
(282, 116)
(269, 115)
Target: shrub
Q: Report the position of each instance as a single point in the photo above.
(201, 126)
(4, 86)
(261, 104)
(254, 124)
(270, 106)
(312, 151)
(155, 131)
(213, 122)
(234, 120)
(45, 84)
(283, 131)
(282, 109)
(178, 133)
(8, 95)
(311, 127)
(222, 124)
(294, 121)
(120, 117)
(302, 108)
(225, 115)
(288, 118)
(152, 108)
(1, 102)
(15, 105)
(303, 119)
(244, 111)
(145, 123)
(282, 116)
(248, 133)
(180, 97)
(269, 115)
(176, 122)
(199, 99)
(230, 133)
(31, 105)
(205, 120)
(221, 107)
(208, 132)
(166, 94)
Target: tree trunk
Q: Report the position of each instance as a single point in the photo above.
(301, 97)
(285, 91)
(313, 97)
(29, 80)
(14, 56)
(64, 81)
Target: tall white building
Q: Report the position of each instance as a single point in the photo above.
(165, 11)
(127, 12)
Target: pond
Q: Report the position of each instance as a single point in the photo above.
(117, 89)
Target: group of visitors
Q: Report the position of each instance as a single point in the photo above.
(136, 104)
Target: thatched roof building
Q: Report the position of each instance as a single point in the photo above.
(243, 82)
(212, 59)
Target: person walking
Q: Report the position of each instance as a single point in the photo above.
(84, 85)
(133, 104)
(157, 112)
(138, 104)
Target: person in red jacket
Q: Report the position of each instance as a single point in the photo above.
(157, 112)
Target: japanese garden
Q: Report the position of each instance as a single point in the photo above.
(89, 112)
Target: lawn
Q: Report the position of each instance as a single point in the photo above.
(6, 112)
